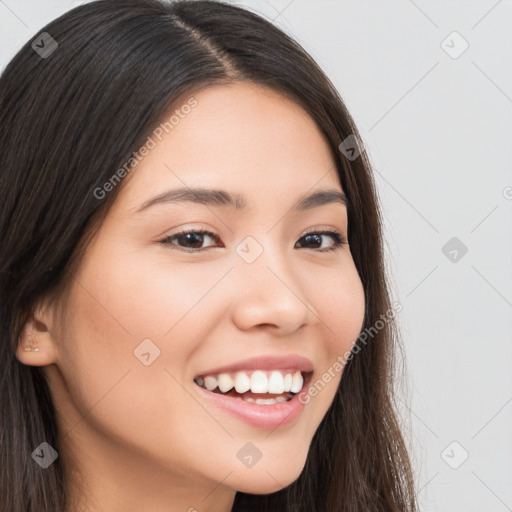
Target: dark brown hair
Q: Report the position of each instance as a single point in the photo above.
(68, 122)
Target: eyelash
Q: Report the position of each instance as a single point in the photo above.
(338, 238)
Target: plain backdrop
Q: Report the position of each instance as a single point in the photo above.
(429, 85)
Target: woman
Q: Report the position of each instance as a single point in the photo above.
(191, 248)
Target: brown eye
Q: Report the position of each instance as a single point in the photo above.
(189, 239)
(315, 237)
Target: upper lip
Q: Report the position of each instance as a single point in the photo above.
(265, 362)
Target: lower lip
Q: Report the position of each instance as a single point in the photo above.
(266, 417)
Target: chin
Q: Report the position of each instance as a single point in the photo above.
(268, 481)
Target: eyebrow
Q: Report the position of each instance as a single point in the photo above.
(222, 198)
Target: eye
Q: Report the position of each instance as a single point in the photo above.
(194, 239)
(316, 236)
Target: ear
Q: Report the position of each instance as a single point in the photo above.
(37, 333)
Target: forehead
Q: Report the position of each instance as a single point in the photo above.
(242, 137)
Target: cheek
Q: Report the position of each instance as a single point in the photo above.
(143, 407)
(133, 306)
(338, 299)
(151, 296)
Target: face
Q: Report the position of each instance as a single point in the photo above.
(150, 310)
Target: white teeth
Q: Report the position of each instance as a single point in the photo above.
(225, 382)
(259, 382)
(263, 401)
(297, 382)
(266, 401)
(287, 382)
(276, 383)
(210, 383)
(242, 382)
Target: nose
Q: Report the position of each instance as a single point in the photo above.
(269, 293)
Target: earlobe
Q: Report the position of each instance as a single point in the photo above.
(36, 346)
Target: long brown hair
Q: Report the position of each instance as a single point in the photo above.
(68, 121)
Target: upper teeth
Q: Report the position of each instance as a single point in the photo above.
(275, 382)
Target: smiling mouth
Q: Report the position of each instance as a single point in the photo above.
(262, 387)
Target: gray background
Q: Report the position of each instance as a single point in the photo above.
(437, 129)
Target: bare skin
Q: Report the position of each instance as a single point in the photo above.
(142, 437)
